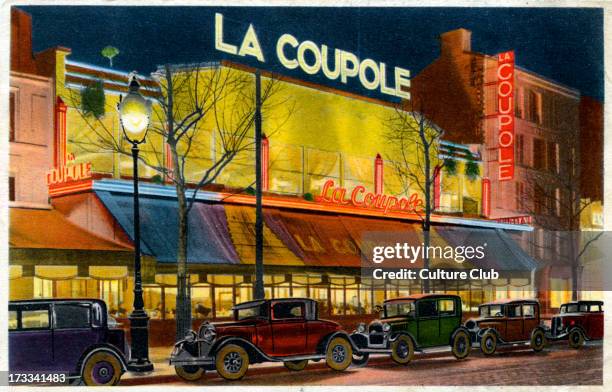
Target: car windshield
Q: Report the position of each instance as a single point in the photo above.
(251, 312)
(569, 308)
(491, 311)
(396, 309)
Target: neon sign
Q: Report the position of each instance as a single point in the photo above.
(312, 59)
(505, 104)
(69, 172)
(359, 197)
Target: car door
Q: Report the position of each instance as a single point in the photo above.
(449, 318)
(514, 323)
(530, 320)
(31, 342)
(288, 328)
(72, 334)
(428, 323)
(595, 322)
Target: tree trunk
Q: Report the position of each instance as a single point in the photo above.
(183, 301)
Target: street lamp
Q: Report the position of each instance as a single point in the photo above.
(134, 113)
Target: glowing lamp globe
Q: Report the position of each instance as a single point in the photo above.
(134, 112)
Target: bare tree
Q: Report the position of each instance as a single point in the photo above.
(414, 145)
(551, 195)
(188, 96)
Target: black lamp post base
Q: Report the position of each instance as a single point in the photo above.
(139, 331)
(137, 366)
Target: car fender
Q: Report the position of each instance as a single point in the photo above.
(104, 348)
(255, 353)
(322, 346)
(482, 331)
(580, 328)
(396, 336)
(460, 328)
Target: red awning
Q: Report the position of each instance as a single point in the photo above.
(49, 229)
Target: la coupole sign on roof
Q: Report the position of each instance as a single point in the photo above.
(314, 58)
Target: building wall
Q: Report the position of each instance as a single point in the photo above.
(30, 152)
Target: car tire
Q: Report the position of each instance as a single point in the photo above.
(575, 338)
(360, 360)
(402, 349)
(538, 340)
(488, 343)
(462, 344)
(232, 362)
(102, 368)
(339, 354)
(189, 373)
(296, 366)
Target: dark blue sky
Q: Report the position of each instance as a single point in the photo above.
(563, 44)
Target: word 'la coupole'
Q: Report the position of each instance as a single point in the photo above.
(313, 59)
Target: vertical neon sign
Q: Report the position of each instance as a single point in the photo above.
(505, 110)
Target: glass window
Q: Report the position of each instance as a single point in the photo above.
(584, 308)
(427, 308)
(224, 300)
(514, 310)
(288, 310)
(594, 308)
(12, 117)
(252, 312)
(529, 310)
(35, 318)
(13, 322)
(399, 309)
(447, 307)
(71, 316)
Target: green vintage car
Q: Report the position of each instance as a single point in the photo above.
(415, 323)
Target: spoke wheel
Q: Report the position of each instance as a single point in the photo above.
(538, 340)
(575, 338)
(339, 354)
(402, 349)
(462, 344)
(232, 362)
(488, 343)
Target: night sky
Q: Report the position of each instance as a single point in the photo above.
(565, 45)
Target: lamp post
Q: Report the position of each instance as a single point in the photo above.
(134, 113)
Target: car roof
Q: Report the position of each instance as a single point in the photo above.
(257, 302)
(587, 302)
(506, 301)
(415, 297)
(54, 300)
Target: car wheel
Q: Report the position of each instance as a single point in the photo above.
(575, 338)
(102, 368)
(339, 354)
(488, 343)
(232, 362)
(538, 340)
(360, 360)
(189, 373)
(402, 349)
(462, 344)
(296, 365)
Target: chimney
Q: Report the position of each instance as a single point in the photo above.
(455, 42)
(21, 42)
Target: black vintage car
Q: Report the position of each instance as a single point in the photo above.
(67, 336)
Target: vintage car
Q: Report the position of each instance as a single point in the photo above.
(279, 330)
(578, 321)
(508, 321)
(67, 336)
(413, 323)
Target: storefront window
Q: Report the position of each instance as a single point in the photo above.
(43, 288)
(153, 302)
(170, 302)
(560, 292)
(111, 291)
(224, 301)
(201, 302)
(319, 294)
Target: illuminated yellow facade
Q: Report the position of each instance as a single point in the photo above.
(315, 134)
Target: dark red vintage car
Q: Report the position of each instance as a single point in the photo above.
(278, 330)
(508, 321)
(578, 321)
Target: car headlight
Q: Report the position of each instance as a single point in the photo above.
(209, 333)
(190, 336)
(386, 327)
(361, 327)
